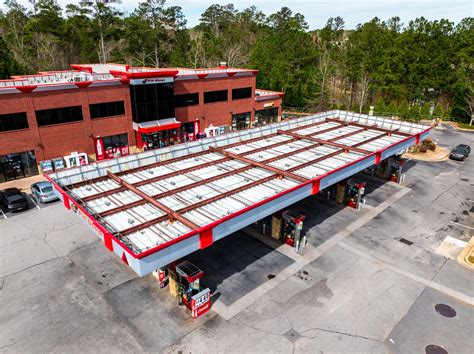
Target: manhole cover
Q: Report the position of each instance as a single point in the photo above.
(445, 310)
(292, 335)
(435, 349)
(271, 276)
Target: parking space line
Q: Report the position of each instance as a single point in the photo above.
(427, 282)
(457, 223)
(32, 199)
(4, 216)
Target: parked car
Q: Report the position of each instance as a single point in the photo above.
(43, 192)
(460, 152)
(11, 199)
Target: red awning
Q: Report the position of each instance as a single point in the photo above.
(155, 126)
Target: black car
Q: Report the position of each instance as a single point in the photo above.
(460, 152)
(11, 199)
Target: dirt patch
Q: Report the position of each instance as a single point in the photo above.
(441, 154)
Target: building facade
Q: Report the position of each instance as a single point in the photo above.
(62, 119)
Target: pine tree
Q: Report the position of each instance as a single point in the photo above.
(404, 110)
(426, 110)
(391, 109)
(438, 112)
(415, 113)
(379, 106)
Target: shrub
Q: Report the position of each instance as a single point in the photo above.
(432, 147)
(423, 149)
(427, 142)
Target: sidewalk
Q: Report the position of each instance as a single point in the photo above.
(23, 183)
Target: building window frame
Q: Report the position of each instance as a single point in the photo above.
(186, 100)
(216, 96)
(107, 109)
(241, 93)
(241, 121)
(13, 121)
(61, 115)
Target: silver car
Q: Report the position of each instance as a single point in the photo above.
(43, 192)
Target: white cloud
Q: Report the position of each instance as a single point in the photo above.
(317, 12)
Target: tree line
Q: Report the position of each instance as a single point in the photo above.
(416, 70)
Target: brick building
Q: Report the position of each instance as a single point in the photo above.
(60, 119)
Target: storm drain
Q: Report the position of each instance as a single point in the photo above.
(435, 349)
(406, 242)
(445, 310)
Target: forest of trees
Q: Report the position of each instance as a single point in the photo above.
(413, 70)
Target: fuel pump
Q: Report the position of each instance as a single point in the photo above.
(293, 234)
(355, 193)
(189, 291)
(396, 167)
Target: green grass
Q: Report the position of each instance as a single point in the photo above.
(465, 126)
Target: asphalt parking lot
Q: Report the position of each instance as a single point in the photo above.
(355, 288)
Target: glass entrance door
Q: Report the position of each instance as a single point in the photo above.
(13, 170)
(19, 165)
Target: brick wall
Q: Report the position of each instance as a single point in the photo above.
(62, 139)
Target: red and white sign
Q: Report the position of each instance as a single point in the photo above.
(201, 303)
(196, 128)
(111, 152)
(99, 148)
(149, 81)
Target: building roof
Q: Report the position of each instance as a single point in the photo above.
(156, 205)
(84, 75)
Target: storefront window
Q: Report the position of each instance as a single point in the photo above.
(152, 102)
(266, 116)
(115, 145)
(241, 121)
(19, 165)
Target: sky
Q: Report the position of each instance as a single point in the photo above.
(317, 12)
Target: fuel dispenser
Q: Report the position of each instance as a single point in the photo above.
(186, 278)
(355, 193)
(396, 167)
(293, 233)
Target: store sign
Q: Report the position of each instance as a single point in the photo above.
(76, 159)
(111, 152)
(200, 303)
(160, 80)
(46, 165)
(270, 104)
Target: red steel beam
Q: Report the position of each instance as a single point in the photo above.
(319, 159)
(198, 205)
(258, 164)
(154, 179)
(120, 208)
(348, 134)
(171, 213)
(163, 162)
(308, 126)
(324, 142)
(371, 139)
(159, 163)
(372, 127)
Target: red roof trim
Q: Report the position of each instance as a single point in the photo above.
(83, 84)
(144, 74)
(231, 73)
(202, 76)
(81, 67)
(26, 89)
